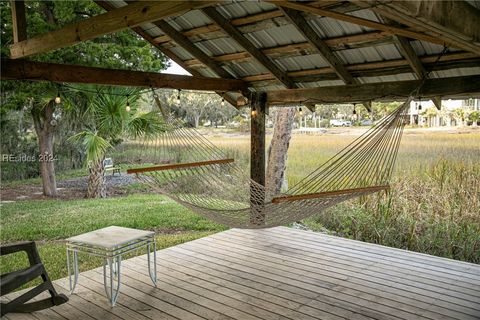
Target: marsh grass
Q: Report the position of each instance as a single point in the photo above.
(434, 204)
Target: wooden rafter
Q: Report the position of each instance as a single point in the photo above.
(236, 35)
(112, 21)
(409, 54)
(454, 23)
(455, 86)
(39, 71)
(406, 49)
(183, 42)
(302, 48)
(361, 21)
(107, 6)
(19, 21)
(257, 22)
(314, 39)
(323, 49)
(375, 69)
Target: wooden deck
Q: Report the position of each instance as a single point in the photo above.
(280, 273)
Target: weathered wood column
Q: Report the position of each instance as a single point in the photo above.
(257, 157)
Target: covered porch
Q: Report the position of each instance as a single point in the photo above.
(279, 273)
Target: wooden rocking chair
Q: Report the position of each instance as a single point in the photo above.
(14, 280)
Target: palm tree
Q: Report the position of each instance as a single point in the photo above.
(111, 121)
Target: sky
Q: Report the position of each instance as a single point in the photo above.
(175, 69)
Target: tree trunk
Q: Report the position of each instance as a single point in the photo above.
(277, 152)
(42, 119)
(96, 181)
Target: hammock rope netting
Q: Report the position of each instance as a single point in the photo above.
(182, 164)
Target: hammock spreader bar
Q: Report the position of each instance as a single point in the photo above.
(328, 193)
(179, 166)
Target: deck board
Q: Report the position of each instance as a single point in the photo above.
(277, 274)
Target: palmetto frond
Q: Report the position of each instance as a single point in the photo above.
(94, 145)
(145, 125)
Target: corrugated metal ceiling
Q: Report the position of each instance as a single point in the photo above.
(279, 35)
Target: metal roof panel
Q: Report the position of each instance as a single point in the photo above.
(241, 9)
(306, 62)
(277, 36)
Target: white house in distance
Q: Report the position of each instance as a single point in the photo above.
(452, 113)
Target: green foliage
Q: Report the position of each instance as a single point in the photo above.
(95, 145)
(196, 108)
(20, 99)
(111, 121)
(474, 116)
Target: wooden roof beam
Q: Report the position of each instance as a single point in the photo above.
(455, 23)
(312, 37)
(325, 51)
(41, 71)
(364, 22)
(139, 30)
(356, 93)
(198, 54)
(236, 35)
(115, 20)
(302, 48)
(406, 49)
(373, 69)
(19, 21)
(409, 54)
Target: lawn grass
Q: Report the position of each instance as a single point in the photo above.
(57, 219)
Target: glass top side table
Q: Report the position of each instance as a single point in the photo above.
(110, 243)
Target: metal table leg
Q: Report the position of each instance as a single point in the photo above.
(72, 284)
(153, 275)
(113, 289)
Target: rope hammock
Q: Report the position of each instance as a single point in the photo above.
(184, 165)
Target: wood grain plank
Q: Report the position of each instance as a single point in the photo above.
(118, 19)
(42, 71)
(458, 269)
(389, 251)
(319, 287)
(147, 298)
(240, 299)
(421, 294)
(227, 278)
(409, 301)
(358, 266)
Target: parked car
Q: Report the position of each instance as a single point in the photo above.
(340, 123)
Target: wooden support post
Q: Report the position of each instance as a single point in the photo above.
(257, 157)
(19, 22)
